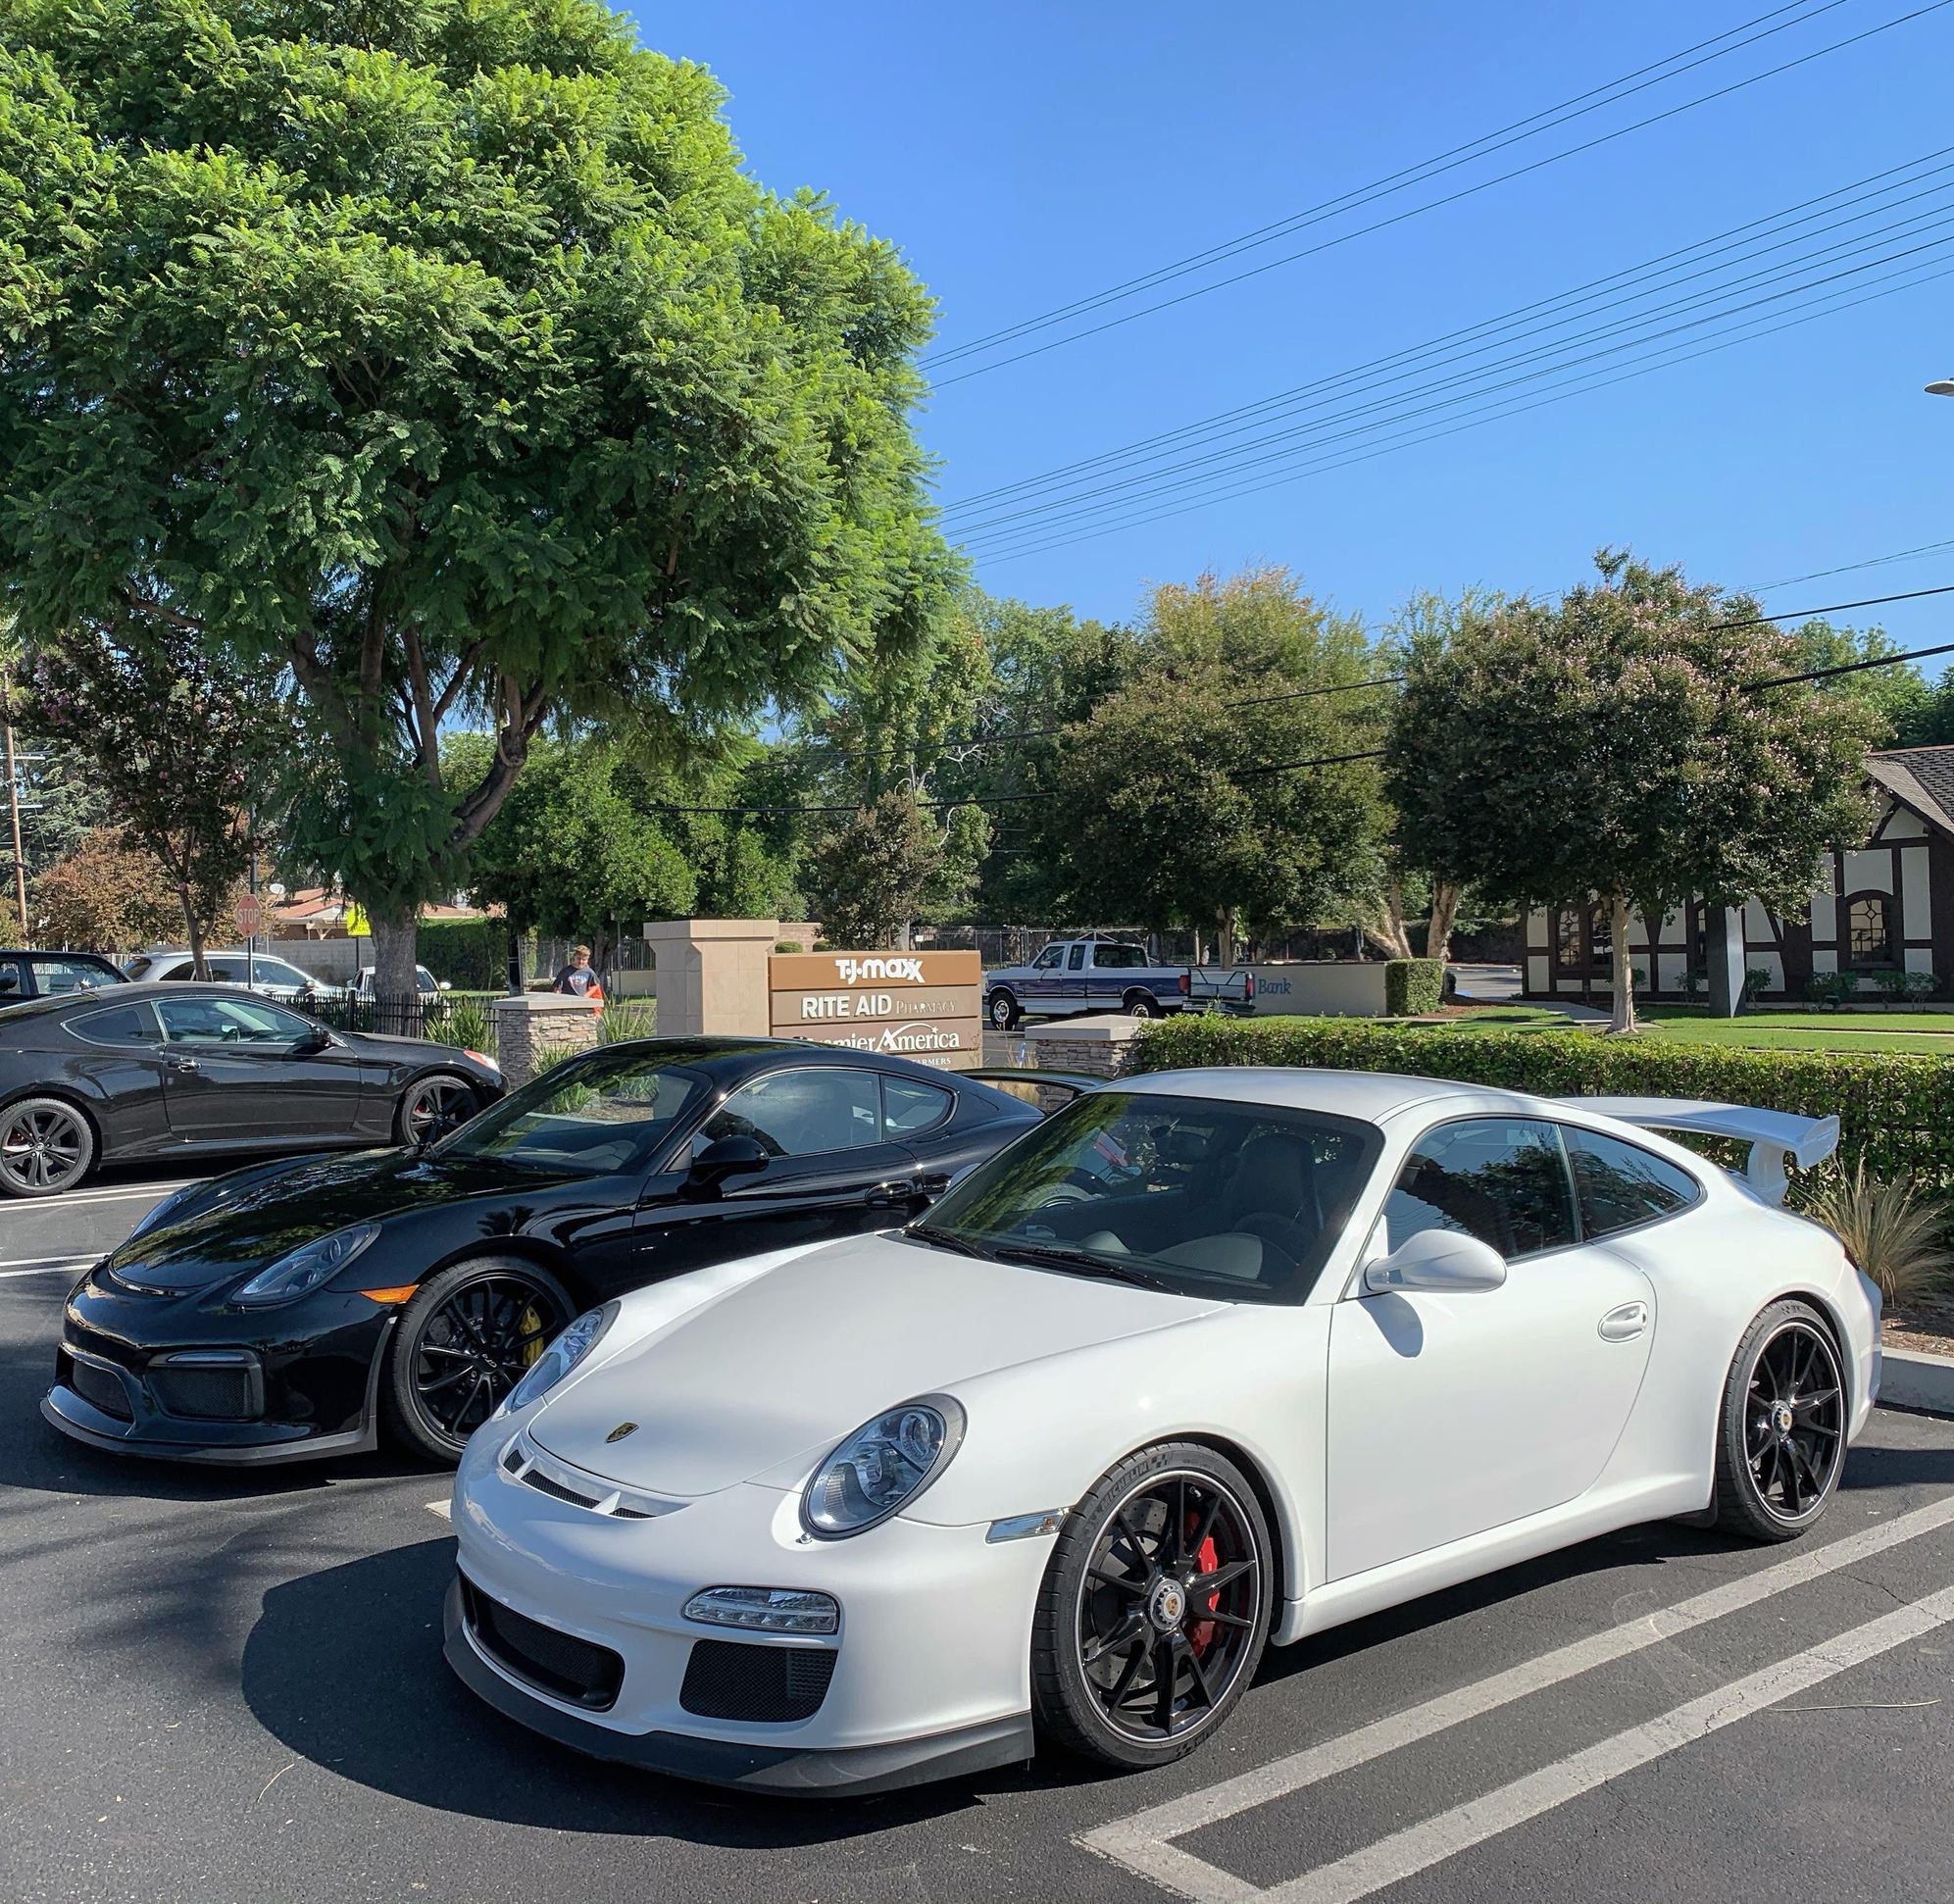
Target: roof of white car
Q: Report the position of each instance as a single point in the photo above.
(1370, 1095)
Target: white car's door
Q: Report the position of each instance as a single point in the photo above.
(1452, 1414)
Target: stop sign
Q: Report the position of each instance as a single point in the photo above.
(250, 915)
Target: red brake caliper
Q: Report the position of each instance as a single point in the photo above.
(1201, 1634)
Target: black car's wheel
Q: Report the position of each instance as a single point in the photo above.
(1154, 1609)
(431, 1107)
(46, 1146)
(1781, 1435)
(1003, 1010)
(464, 1341)
(1143, 1004)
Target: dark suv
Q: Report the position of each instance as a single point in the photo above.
(44, 975)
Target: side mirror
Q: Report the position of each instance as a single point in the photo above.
(317, 1038)
(444, 984)
(727, 1157)
(1442, 1261)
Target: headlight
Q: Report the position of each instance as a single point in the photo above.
(306, 1267)
(765, 1609)
(167, 1209)
(884, 1466)
(563, 1355)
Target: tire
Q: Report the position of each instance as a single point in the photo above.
(433, 1106)
(1780, 1440)
(1121, 1587)
(46, 1146)
(1001, 1008)
(511, 1307)
(1143, 1004)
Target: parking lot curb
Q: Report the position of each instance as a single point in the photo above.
(1912, 1378)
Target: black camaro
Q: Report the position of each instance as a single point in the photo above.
(306, 1308)
(137, 1071)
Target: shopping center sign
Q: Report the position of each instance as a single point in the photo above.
(923, 1005)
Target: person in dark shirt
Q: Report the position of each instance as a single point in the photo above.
(578, 978)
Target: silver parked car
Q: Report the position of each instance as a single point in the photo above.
(269, 976)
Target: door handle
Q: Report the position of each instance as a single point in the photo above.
(889, 1196)
(182, 1063)
(932, 1183)
(1624, 1323)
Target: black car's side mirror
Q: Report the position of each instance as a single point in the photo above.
(727, 1157)
(317, 1038)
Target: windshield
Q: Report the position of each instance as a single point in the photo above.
(592, 1115)
(1235, 1201)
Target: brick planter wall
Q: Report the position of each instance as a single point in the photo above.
(540, 1022)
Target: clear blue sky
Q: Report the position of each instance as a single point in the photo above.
(1024, 155)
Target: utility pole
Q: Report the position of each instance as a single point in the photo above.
(14, 803)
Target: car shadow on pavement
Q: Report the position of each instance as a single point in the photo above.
(344, 1667)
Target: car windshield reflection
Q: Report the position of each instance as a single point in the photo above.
(590, 1116)
(1239, 1202)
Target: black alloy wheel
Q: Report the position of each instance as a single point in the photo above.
(466, 1339)
(435, 1106)
(1783, 1425)
(46, 1147)
(1154, 1612)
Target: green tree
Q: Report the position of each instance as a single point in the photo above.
(1897, 698)
(173, 743)
(106, 895)
(868, 877)
(446, 360)
(1616, 746)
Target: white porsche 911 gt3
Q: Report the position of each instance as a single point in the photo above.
(1209, 1360)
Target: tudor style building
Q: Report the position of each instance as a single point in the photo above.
(1888, 907)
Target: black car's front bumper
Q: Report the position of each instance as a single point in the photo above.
(784, 1771)
(171, 1378)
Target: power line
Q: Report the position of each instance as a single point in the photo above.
(1451, 198)
(1846, 568)
(1268, 233)
(1666, 361)
(1627, 286)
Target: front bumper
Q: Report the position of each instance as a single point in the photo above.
(177, 1379)
(928, 1677)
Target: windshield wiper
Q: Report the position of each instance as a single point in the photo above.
(1078, 1262)
(929, 1234)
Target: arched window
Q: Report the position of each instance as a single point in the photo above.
(1868, 929)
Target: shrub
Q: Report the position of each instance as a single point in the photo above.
(625, 1019)
(1414, 985)
(786, 945)
(1889, 1229)
(1896, 1113)
(553, 1053)
(465, 1021)
(1902, 986)
(1756, 981)
(1834, 988)
(471, 954)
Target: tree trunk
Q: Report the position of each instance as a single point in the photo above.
(1621, 1013)
(1224, 938)
(193, 926)
(1388, 931)
(395, 950)
(1444, 910)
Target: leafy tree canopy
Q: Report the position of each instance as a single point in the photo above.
(443, 358)
(1609, 746)
(106, 895)
(868, 878)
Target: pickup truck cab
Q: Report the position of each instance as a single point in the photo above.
(1095, 975)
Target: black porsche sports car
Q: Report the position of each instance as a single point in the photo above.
(309, 1307)
(139, 1071)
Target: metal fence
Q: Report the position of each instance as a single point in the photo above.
(448, 1018)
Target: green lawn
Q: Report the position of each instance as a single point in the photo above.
(1925, 1032)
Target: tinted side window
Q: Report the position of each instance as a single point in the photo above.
(1621, 1184)
(1047, 959)
(125, 1025)
(804, 1113)
(1117, 958)
(229, 1020)
(69, 975)
(910, 1107)
(1075, 958)
(1501, 1179)
(186, 970)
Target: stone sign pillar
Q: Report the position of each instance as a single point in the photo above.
(711, 974)
(545, 1024)
(928, 1006)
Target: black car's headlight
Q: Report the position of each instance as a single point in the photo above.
(884, 1466)
(304, 1269)
(563, 1355)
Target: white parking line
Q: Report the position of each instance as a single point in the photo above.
(120, 1193)
(27, 1265)
(1143, 1842)
(1417, 1847)
(443, 1507)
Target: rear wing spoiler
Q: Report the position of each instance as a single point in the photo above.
(1777, 1139)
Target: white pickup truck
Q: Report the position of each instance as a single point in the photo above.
(1095, 975)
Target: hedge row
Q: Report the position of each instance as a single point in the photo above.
(1897, 1113)
(1412, 986)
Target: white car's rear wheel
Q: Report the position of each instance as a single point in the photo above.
(1781, 1435)
(1154, 1609)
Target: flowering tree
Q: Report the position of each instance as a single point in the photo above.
(173, 743)
(107, 895)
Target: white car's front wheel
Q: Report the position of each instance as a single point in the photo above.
(1154, 1609)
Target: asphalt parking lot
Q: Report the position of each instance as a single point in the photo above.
(230, 1688)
